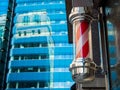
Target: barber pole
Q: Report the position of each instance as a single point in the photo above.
(83, 67)
(82, 39)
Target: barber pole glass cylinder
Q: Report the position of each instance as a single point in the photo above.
(81, 39)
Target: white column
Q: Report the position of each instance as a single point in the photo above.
(17, 85)
(37, 84)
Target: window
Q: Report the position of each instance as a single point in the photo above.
(25, 45)
(42, 84)
(43, 69)
(35, 44)
(39, 32)
(36, 18)
(35, 57)
(1, 31)
(14, 70)
(31, 57)
(44, 56)
(33, 32)
(44, 45)
(12, 85)
(26, 19)
(30, 45)
(29, 69)
(25, 33)
(19, 33)
(27, 85)
(16, 57)
(17, 46)
(22, 57)
(26, 57)
(33, 84)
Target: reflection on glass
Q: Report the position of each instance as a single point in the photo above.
(113, 26)
(2, 27)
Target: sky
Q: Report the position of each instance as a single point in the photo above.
(3, 6)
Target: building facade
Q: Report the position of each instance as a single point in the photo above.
(40, 54)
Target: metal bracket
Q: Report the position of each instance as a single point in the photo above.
(82, 3)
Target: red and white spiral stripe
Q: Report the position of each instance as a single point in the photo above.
(81, 39)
